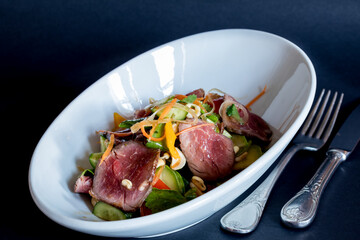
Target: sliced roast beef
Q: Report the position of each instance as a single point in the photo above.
(251, 125)
(209, 155)
(124, 178)
(200, 93)
(83, 184)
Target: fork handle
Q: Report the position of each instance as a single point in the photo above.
(300, 211)
(245, 217)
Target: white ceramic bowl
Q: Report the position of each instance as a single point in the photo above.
(239, 62)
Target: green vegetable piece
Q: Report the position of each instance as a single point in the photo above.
(226, 134)
(207, 107)
(241, 142)
(156, 145)
(94, 158)
(175, 113)
(129, 123)
(254, 152)
(232, 111)
(90, 171)
(160, 200)
(189, 99)
(190, 194)
(159, 131)
(213, 117)
(173, 179)
(107, 212)
(103, 143)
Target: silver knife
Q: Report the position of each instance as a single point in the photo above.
(300, 211)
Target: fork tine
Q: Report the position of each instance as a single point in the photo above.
(312, 113)
(318, 117)
(333, 119)
(326, 118)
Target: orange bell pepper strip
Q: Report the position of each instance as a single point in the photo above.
(170, 140)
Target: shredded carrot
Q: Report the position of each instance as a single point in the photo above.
(193, 127)
(200, 105)
(149, 136)
(167, 109)
(170, 140)
(157, 175)
(206, 98)
(162, 116)
(180, 97)
(256, 98)
(108, 149)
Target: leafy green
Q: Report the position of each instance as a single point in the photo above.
(129, 123)
(232, 111)
(207, 107)
(190, 194)
(213, 117)
(160, 200)
(189, 99)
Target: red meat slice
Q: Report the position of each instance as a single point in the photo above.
(209, 155)
(130, 160)
(253, 126)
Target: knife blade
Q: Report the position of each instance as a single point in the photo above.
(348, 136)
(300, 211)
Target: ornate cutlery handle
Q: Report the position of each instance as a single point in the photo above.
(300, 211)
(245, 217)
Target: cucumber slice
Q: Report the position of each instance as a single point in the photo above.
(107, 212)
(241, 142)
(94, 158)
(175, 113)
(254, 152)
(172, 179)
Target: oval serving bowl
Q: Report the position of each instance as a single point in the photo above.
(237, 61)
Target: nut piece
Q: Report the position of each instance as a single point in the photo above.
(199, 183)
(126, 183)
(241, 157)
(236, 149)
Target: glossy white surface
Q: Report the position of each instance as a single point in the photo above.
(239, 62)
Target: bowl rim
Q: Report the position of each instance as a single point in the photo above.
(111, 228)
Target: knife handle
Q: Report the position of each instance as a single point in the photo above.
(300, 211)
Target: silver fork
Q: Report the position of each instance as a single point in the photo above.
(245, 217)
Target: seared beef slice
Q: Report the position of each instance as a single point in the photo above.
(129, 160)
(253, 126)
(209, 155)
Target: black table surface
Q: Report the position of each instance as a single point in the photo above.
(50, 51)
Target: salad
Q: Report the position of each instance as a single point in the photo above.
(171, 152)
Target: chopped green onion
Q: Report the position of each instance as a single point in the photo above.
(213, 117)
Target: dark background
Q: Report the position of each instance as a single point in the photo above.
(50, 51)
